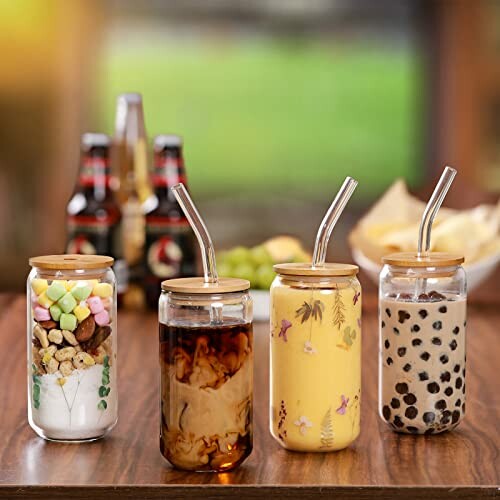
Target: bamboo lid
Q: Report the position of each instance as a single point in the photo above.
(71, 262)
(328, 269)
(433, 259)
(198, 285)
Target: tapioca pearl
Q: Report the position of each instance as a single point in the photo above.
(386, 412)
(458, 402)
(444, 359)
(410, 399)
(448, 391)
(463, 372)
(387, 344)
(415, 328)
(437, 325)
(456, 330)
(403, 316)
(463, 407)
(383, 324)
(436, 340)
(423, 376)
(465, 323)
(456, 368)
(429, 417)
(416, 342)
(425, 356)
(401, 388)
(411, 412)
(423, 313)
(433, 387)
(455, 416)
(431, 430)
(458, 383)
(445, 377)
(388, 312)
(412, 430)
(446, 417)
(453, 344)
(463, 388)
(440, 405)
(395, 330)
(395, 404)
(389, 361)
(398, 422)
(407, 367)
(401, 351)
(443, 309)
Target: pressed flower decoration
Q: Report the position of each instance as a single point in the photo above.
(338, 310)
(343, 405)
(314, 309)
(303, 423)
(356, 297)
(285, 325)
(309, 348)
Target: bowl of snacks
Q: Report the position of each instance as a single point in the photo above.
(384, 230)
(255, 264)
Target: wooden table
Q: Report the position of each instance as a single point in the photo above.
(128, 464)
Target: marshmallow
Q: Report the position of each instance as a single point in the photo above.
(44, 301)
(81, 292)
(95, 304)
(41, 314)
(103, 290)
(70, 285)
(81, 312)
(67, 303)
(55, 312)
(67, 322)
(102, 318)
(39, 286)
(55, 291)
(107, 303)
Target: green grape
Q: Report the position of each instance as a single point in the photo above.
(260, 256)
(265, 276)
(238, 255)
(245, 271)
(224, 269)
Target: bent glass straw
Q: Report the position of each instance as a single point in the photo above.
(433, 205)
(200, 230)
(330, 219)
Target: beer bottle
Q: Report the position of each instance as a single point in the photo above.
(170, 241)
(93, 216)
(130, 160)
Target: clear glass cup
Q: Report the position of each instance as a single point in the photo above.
(422, 322)
(315, 383)
(71, 320)
(206, 385)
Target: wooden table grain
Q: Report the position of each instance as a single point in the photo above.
(128, 464)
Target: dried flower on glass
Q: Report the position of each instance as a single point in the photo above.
(343, 405)
(309, 348)
(285, 325)
(303, 423)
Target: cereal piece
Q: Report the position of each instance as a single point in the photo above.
(81, 312)
(78, 348)
(41, 314)
(44, 301)
(37, 360)
(69, 337)
(48, 325)
(64, 354)
(67, 303)
(51, 350)
(55, 336)
(99, 354)
(95, 304)
(39, 286)
(55, 312)
(67, 322)
(61, 381)
(81, 292)
(55, 291)
(103, 290)
(66, 367)
(85, 329)
(52, 366)
(83, 360)
(41, 334)
(102, 318)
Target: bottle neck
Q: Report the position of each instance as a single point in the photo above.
(168, 170)
(95, 170)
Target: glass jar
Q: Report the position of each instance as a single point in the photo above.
(71, 305)
(422, 316)
(315, 380)
(206, 385)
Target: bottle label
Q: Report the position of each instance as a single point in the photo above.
(168, 172)
(169, 247)
(94, 171)
(102, 236)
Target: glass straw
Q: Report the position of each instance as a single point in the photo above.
(200, 230)
(431, 210)
(331, 217)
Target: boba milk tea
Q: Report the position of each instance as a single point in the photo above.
(315, 384)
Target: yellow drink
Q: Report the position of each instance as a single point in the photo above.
(315, 361)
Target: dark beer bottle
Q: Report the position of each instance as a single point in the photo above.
(93, 216)
(170, 241)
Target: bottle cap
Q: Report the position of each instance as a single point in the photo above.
(93, 139)
(167, 141)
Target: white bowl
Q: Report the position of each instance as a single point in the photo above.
(477, 272)
(260, 304)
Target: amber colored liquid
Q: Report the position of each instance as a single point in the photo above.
(206, 396)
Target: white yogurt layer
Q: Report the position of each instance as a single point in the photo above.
(71, 411)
